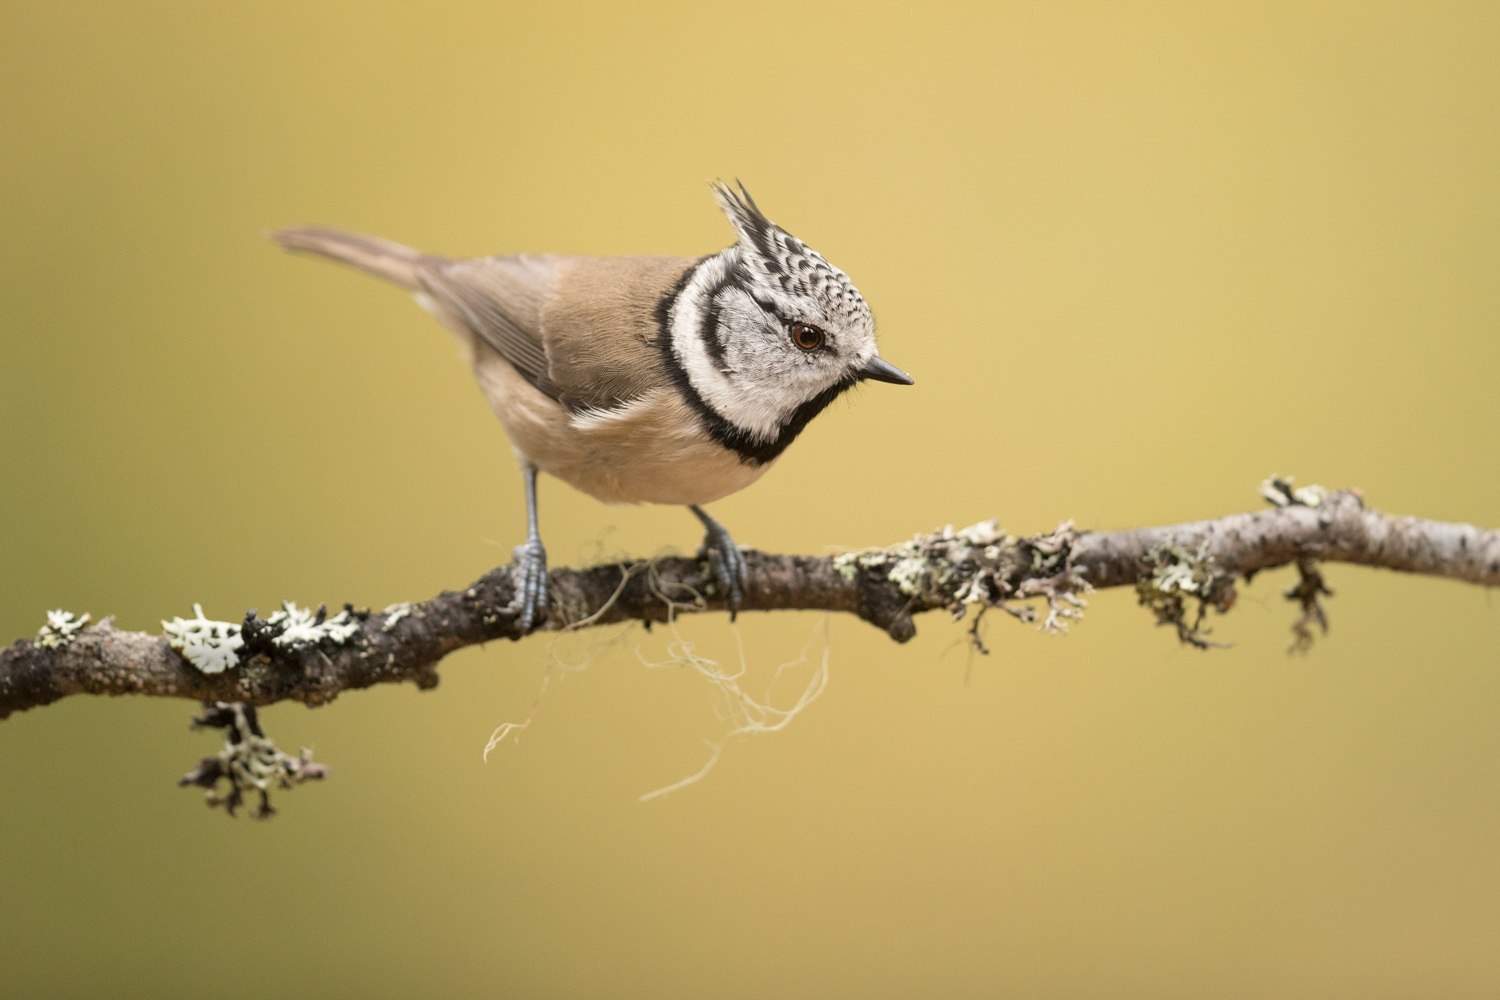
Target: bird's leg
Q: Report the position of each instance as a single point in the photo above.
(529, 569)
(725, 556)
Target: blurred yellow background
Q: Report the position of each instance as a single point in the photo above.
(1137, 256)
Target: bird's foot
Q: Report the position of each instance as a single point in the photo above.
(529, 576)
(727, 560)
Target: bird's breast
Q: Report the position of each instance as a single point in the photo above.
(652, 449)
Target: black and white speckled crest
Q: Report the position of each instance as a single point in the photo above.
(787, 263)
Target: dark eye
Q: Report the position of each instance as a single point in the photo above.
(807, 336)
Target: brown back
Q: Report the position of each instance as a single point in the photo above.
(581, 329)
(600, 327)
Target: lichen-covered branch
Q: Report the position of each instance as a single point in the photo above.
(1179, 572)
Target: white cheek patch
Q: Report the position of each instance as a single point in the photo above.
(750, 412)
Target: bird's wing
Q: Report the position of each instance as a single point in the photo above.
(604, 325)
(584, 330)
(501, 300)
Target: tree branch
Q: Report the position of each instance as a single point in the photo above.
(287, 657)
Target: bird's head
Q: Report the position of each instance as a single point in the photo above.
(768, 333)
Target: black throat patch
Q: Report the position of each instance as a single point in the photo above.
(752, 450)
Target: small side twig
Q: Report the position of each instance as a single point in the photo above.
(1308, 592)
(249, 760)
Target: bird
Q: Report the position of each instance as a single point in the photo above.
(642, 379)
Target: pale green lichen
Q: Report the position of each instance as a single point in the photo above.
(926, 563)
(981, 566)
(849, 564)
(1054, 578)
(913, 574)
(1176, 575)
(61, 629)
(249, 761)
(1280, 491)
(306, 627)
(211, 646)
(1184, 572)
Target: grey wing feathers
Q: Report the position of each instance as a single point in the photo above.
(501, 299)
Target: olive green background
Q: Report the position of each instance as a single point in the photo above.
(1137, 256)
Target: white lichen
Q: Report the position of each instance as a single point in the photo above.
(306, 627)
(61, 629)
(985, 533)
(211, 646)
(394, 614)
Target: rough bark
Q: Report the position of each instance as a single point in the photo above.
(978, 568)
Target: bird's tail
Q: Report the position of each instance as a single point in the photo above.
(395, 263)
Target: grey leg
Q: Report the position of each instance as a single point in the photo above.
(725, 556)
(529, 571)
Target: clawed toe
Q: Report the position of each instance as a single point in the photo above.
(727, 560)
(729, 570)
(529, 574)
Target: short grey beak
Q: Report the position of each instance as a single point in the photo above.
(881, 370)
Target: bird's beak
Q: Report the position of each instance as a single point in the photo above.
(881, 370)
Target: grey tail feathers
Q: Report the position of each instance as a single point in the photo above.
(395, 263)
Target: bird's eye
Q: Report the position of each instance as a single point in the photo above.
(807, 336)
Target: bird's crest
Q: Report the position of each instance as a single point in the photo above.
(745, 216)
(784, 264)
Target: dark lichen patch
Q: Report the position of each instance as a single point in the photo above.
(1308, 593)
